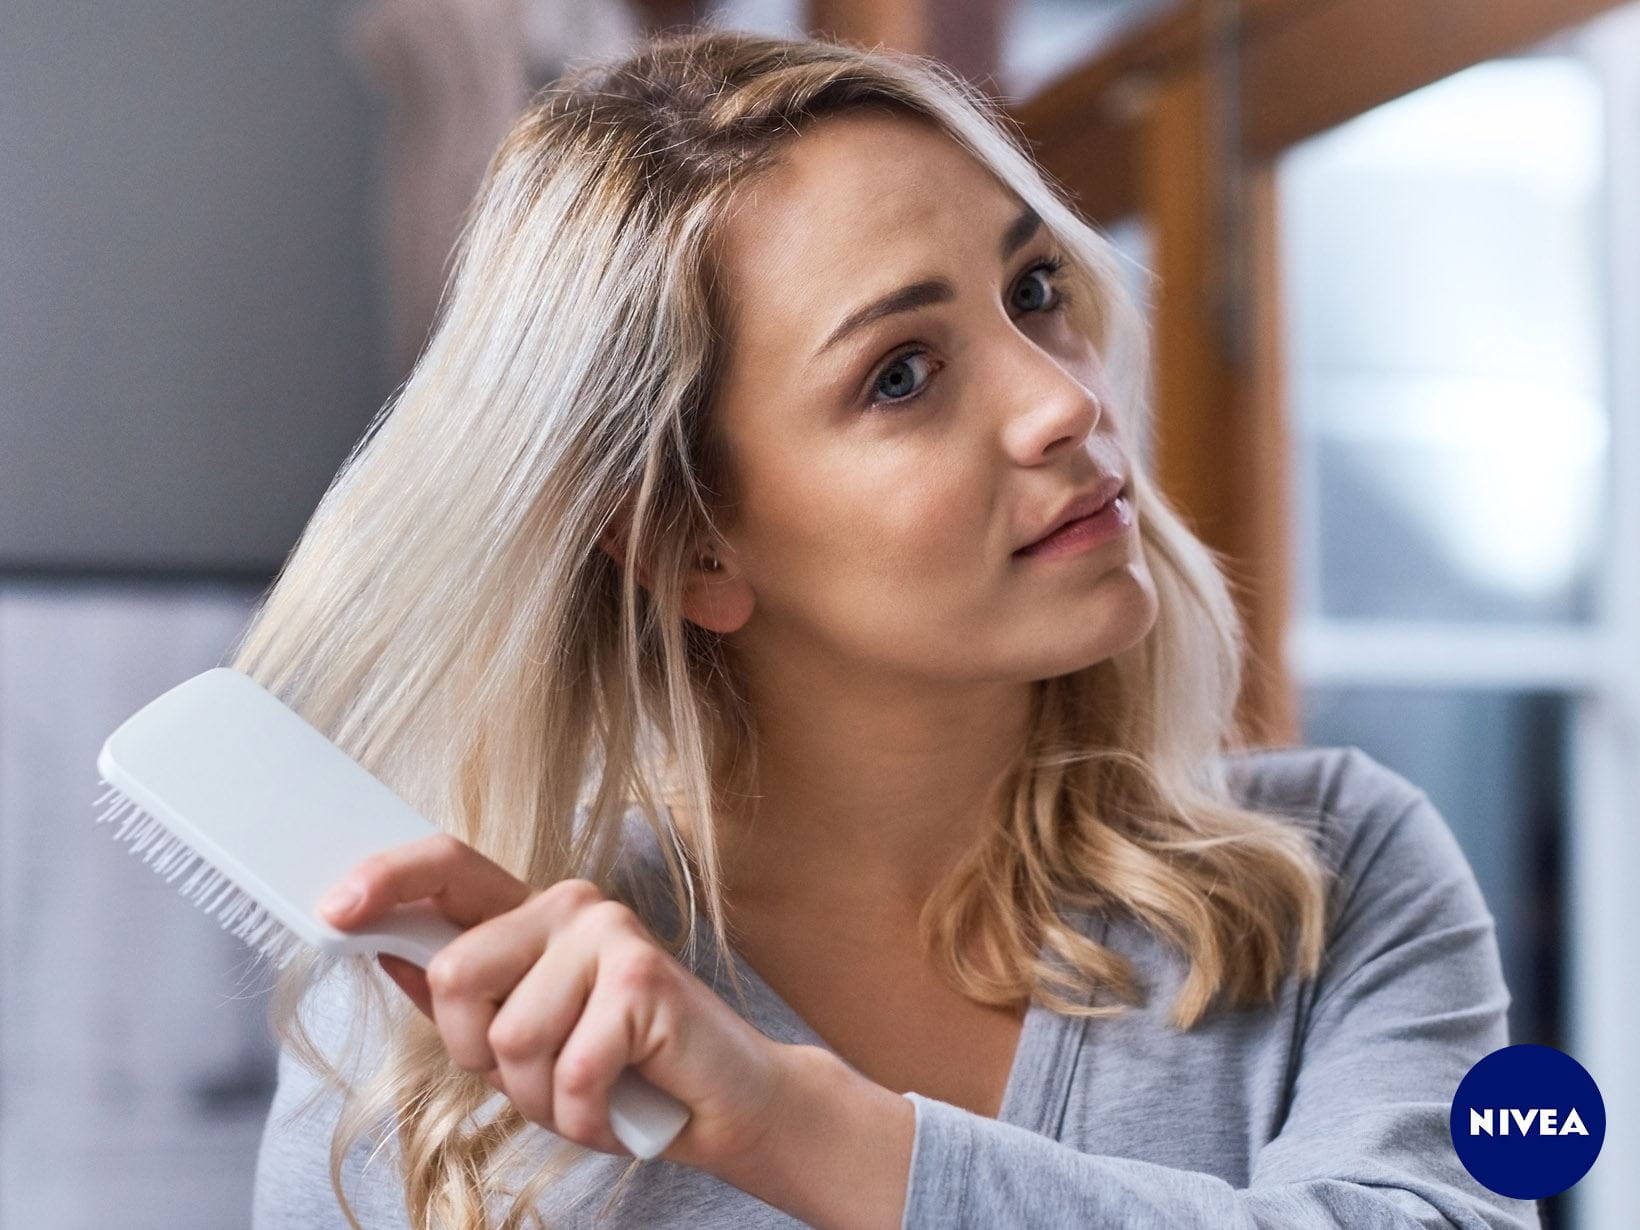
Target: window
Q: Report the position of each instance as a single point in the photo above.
(1462, 296)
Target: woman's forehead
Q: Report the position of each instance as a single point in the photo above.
(859, 204)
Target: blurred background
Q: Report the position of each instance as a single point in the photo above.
(1397, 310)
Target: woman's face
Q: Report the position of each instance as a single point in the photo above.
(891, 462)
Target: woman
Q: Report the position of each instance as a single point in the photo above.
(709, 556)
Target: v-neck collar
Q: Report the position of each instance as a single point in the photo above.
(1045, 1058)
(1039, 1079)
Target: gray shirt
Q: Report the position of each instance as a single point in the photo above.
(1328, 1107)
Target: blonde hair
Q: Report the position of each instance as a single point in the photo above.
(448, 618)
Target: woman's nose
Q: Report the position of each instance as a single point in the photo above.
(1048, 408)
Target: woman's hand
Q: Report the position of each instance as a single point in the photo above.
(550, 993)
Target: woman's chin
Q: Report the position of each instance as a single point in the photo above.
(1086, 639)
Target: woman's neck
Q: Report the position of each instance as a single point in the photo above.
(868, 815)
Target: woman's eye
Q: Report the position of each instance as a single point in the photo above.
(906, 376)
(1036, 290)
(899, 379)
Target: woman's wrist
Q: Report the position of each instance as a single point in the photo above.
(837, 1155)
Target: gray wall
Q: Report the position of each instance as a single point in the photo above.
(189, 339)
(189, 344)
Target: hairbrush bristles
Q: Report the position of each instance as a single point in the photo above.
(205, 887)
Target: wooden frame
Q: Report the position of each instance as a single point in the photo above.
(1305, 66)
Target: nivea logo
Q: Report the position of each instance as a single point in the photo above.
(1538, 1119)
(1527, 1121)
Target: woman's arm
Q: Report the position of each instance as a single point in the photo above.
(1411, 995)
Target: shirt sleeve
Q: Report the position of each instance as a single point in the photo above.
(1410, 995)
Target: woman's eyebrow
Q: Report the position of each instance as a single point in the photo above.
(1019, 232)
(929, 290)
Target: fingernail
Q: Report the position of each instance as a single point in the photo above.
(341, 899)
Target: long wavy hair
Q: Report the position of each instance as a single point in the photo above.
(449, 618)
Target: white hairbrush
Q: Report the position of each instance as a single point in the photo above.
(219, 781)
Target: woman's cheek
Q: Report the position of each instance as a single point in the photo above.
(947, 529)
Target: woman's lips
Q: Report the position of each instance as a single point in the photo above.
(1085, 533)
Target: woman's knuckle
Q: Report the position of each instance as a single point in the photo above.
(609, 913)
(577, 893)
(447, 846)
(511, 1038)
(641, 967)
(575, 1074)
(449, 973)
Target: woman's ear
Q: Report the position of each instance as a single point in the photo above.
(716, 595)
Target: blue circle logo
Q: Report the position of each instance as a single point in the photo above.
(1528, 1121)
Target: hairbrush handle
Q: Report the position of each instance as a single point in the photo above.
(643, 1118)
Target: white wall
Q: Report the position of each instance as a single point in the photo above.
(135, 1060)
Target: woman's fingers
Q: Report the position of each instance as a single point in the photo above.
(473, 976)
(412, 980)
(502, 958)
(531, 1026)
(468, 888)
(549, 995)
(630, 978)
